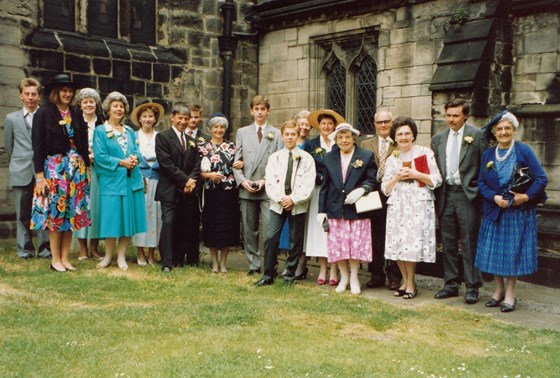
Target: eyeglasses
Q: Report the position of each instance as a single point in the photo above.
(387, 121)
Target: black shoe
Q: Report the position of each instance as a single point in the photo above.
(506, 307)
(303, 274)
(493, 302)
(444, 293)
(166, 269)
(289, 280)
(264, 282)
(253, 272)
(375, 282)
(471, 297)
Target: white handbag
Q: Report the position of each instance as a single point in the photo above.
(369, 202)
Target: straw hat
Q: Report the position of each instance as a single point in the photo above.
(313, 117)
(140, 108)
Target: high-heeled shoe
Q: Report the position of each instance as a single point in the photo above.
(321, 281)
(303, 274)
(409, 295)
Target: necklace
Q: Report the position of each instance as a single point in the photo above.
(507, 152)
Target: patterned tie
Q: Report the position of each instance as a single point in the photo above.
(454, 158)
(190, 133)
(288, 179)
(183, 142)
(259, 134)
(382, 159)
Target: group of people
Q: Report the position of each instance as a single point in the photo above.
(77, 170)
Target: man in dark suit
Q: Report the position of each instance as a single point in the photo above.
(382, 146)
(179, 162)
(458, 152)
(17, 140)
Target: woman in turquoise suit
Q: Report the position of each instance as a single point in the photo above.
(507, 242)
(122, 211)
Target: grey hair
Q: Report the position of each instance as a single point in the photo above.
(217, 121)
(114, 96)
(302, 114)
(511, 119)
(180, 108)
(88, 93)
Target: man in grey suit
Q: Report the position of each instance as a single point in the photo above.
(382, 146)
(458, 152)
(255, 143)
(17, 139)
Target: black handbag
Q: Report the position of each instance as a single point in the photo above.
(521, 179)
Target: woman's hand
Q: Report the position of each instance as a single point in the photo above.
(214, 176)
(501, 202)
(129, 162)
(41, 186)
(519, 198)
(238, 164)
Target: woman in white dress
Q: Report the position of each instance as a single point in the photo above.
(325, 120)
(411, 175)
(89, 102)
(147, 116)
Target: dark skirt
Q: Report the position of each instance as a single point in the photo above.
(220, 218)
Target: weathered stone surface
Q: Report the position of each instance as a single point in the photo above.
(400, 56)
(42, 39)
(121, 69)
(77, 63)
(541, 42)
(161, 72)
(102, 66)
(142, 70)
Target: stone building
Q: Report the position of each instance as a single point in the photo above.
(410, 56)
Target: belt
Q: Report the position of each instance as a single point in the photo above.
(454, 188)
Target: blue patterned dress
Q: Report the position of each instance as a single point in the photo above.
(66, 205)
(508, 246)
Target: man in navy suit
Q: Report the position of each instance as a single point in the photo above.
(179, 161)
(17, 140)
(458, 152)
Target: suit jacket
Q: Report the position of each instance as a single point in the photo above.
(255, 156)
(334, 190)
(372, 144)
(50, 138)
(303, 176)
(176, 166)
(108, 153)
(489, 182)
(17, 140)
(469, 162)
(311, 146)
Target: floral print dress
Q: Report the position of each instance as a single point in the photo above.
(66, 204)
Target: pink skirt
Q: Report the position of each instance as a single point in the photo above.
(349, 239)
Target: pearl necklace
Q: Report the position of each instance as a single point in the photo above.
(507, 153)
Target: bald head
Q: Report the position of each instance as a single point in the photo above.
(383, 122)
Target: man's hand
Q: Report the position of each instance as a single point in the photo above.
(190, 185)
(238, 164)
(287, 203)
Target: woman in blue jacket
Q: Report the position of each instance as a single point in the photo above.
(507, 243)
(122, 211)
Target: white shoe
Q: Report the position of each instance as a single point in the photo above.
(342, 286)
(141, 263)
(355, 287)
(122, 265)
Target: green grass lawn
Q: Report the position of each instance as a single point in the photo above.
(140, 323)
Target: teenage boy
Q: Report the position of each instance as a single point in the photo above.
(255, 143)
(290, 179)
(193, 129)
(17, 139)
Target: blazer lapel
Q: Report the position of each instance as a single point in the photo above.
(338, 170)
(464, 145)
(23, 124)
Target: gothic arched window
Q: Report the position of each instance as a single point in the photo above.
(336, 88)
(365, 94)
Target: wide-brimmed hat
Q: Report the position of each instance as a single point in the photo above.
(140, 108)
(58, 81)
(342, 127)
(313, 117)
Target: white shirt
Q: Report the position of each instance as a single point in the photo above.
(456, 179)
(28, 115)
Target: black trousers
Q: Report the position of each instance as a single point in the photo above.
(180, 232)
(296, 224)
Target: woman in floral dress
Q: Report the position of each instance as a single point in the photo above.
(147, 116)
(411, 219)
(220, 214)
(60, 157)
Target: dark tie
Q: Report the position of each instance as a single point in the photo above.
(190, 133)
(288, 180)
(183, 142)
(259, 134)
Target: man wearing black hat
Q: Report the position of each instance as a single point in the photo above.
(458, 152)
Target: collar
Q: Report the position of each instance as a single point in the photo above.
(461, 131)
